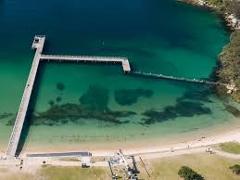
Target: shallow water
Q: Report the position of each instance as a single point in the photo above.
(157, 36)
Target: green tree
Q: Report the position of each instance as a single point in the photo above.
(189, 174)
(235, 169)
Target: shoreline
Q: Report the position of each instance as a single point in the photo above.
(199, 146)
(228, 135)
(186, 147)
(228, 18)
(228, 57)
(204, 137)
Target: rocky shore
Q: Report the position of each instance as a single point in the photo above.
(229, 58)
(231, 20)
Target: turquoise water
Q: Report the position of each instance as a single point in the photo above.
(75, 104)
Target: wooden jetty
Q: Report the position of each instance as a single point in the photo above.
(38, 44)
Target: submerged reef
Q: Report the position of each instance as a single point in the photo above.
(5, 115)
(61, 114)
(75, 113)
(128, 97)
(93, 106)
(189, 105)
(184, 109)
(233, 110)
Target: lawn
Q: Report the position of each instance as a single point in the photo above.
(230, 147)
(59, 173)
(209, 166)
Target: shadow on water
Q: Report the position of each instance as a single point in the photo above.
(32, 103)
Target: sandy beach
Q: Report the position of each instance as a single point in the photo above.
(197, 138)
(203, 145)
(185, 144)
(183, 147)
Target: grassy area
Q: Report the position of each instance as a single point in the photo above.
(59, 173)
(74, 173)
(231, 147)
(16, 176)
(209, 166)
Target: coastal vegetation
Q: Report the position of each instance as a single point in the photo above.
(226, 6)
(188, 174)
(228, 70)
(230, 147)
(235, 169)
(229, 65)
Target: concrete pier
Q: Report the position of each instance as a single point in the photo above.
(97, 59)
(38, 44)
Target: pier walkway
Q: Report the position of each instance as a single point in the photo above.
(38, 44)
(95, 59)
(61, 154)
(162, 76)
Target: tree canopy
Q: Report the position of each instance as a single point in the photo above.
(189, 174)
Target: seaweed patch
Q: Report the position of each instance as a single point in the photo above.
(127, 97)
